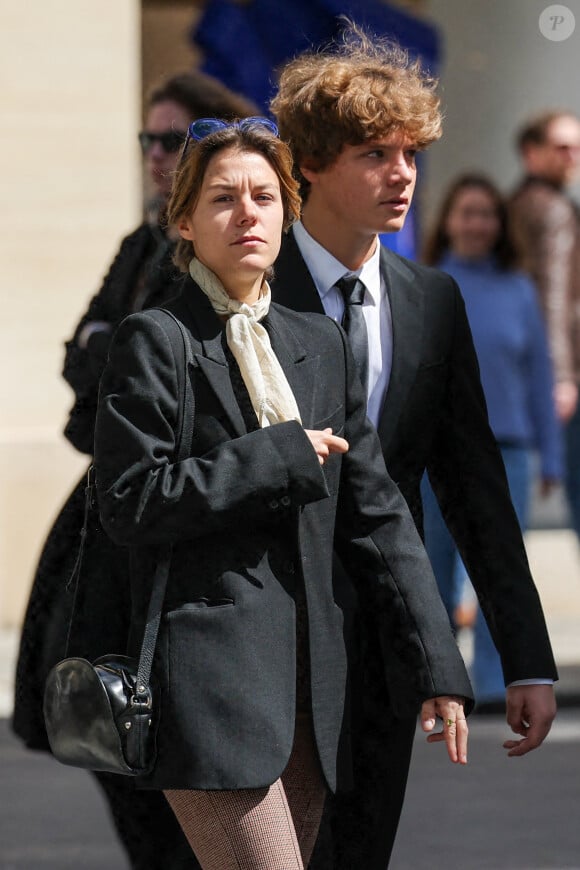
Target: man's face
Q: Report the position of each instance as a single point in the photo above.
(368, 188)
(557, 159)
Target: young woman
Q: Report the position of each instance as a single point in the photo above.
(470, 241)
(284, 468)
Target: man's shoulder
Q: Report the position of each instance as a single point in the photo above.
(425, 277)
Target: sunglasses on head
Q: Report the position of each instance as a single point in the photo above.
(206, 126)
(171, 141)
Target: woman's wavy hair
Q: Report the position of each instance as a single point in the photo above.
(354, 91)
(437, 242)
(193, 165)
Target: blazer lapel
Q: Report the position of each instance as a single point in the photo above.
(209, 331)
(292, 285)
(406, 301)
(300, 367)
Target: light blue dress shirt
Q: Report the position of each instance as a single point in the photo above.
(326, 270)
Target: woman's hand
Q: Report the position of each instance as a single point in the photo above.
(454, 732)
(325, 443)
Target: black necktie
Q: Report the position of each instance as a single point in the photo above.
(353, 292)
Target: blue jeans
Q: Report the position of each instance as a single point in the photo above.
(450, 573)
(572, 479)
(441, 550)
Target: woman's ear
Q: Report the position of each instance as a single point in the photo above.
(184, 229)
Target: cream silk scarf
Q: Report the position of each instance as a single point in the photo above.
(270, 393)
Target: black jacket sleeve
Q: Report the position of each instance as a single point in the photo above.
(467, 475)
(144, 496)
(378, 543)
(83, 365)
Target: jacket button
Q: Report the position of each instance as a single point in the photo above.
(274, 505)
(285, 501)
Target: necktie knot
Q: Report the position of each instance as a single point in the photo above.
(352, 289)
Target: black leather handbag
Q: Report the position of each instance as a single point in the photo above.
(103, 715)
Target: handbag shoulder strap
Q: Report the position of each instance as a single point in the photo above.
(76, 571)
(185, 423)
(183, 444)
(187, 398)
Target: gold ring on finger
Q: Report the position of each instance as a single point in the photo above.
(449, 722)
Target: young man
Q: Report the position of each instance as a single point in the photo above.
(355, 120)
(546, 225)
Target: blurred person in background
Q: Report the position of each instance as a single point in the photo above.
(470, 241)
(546, 226)
(141, 275)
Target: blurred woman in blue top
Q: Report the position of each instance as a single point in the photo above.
(470, 241)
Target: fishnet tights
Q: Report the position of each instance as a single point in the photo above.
(271, 828)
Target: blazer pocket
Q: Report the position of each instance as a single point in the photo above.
(207, 604)
(334, 421)
(433, 364)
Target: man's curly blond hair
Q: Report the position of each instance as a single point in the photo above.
(358, 90)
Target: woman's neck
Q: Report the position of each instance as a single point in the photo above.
(246, 294)
(245, 289)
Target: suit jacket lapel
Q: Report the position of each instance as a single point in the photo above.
(293, 285)
(209, 331)
(406, 303)
(300, 367)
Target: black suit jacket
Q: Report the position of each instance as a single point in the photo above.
(251, 516)
(435, 417)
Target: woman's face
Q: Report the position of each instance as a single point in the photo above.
(162, 118)
(236, 224)
(472, 224)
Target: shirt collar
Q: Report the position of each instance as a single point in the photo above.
(326, 270)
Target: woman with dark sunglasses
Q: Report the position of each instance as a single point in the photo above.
(284, 468)
(141, 275)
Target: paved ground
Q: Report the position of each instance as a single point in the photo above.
(51, 817)
(496, 814)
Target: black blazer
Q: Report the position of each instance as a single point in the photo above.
(252, 516)
(435, 417)
(143, 265)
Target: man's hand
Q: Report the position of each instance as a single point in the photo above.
(530, 713)
(325, 443)
(450, 709)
